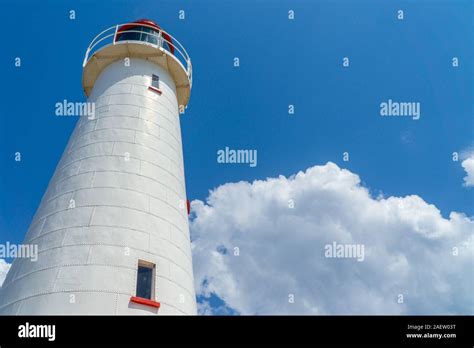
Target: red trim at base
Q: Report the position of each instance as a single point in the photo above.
(145, 301)
(188, 206)
(154, 89)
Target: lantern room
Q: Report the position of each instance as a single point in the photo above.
(146, 31)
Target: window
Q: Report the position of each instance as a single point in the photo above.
(137, 33)
(155, 84)
(152, 37)
(146, 280)
(155, 81)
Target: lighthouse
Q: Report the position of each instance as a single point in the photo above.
(112, 228)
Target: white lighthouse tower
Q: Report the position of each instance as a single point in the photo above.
(112, 228)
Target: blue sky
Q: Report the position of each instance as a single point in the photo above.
(282, 62)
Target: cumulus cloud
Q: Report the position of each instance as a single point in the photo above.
(468, 165)
(4, 267)
(260, 248)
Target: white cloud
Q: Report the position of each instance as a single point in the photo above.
(468, 165)
(408, 248)
(204, 308)
(4, 267)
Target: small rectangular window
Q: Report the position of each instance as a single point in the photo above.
(155, 81)
(146, 280)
